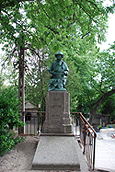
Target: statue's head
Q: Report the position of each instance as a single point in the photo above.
(59, 53)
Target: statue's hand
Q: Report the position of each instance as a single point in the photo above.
(65, 73)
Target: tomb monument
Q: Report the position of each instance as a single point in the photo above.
(58, 99)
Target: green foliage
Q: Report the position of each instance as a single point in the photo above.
(37, 79)
(58, 27)
(100, 127)
(9, 118)
(108, 107)
(91, 80)
(73, 27)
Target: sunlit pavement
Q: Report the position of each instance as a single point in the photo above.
(105, 152)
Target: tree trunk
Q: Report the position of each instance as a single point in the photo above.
(96, 105)
(21, 78)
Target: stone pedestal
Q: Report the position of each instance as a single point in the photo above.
(57, 113)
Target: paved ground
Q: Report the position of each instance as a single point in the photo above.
(105, 152)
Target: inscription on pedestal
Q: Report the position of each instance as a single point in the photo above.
(57, 109)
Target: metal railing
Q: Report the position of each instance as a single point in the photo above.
(87, 137)
(34, 121)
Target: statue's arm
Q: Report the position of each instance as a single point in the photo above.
(52, 69)
(66, 70)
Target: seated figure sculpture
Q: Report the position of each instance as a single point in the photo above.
(59, 71)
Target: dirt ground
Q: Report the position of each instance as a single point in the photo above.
(20, 159)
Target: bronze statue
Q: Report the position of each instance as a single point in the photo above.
(59, 71)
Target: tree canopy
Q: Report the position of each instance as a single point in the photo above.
(39, 29)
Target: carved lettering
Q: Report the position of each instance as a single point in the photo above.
(56, 99)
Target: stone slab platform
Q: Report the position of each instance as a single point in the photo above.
(56, 153)
(57, 134)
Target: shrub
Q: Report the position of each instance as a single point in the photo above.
(9, 118)
(100, 127)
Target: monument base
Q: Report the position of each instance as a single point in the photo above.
(56, 153)
(57, 113)
(57, 134)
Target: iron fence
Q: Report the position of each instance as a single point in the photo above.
(87, 137)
